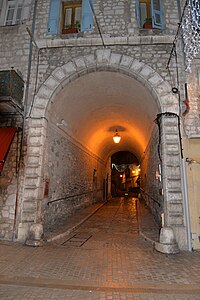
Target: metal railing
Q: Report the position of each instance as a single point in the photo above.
(143, 191)
(72, 196)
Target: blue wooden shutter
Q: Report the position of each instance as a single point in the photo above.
(157, 16)
(87, 15)
(54, 14)
(137, 11)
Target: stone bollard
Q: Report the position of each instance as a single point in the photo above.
(167, 242)
(35, 235)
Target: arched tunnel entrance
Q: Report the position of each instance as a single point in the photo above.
(75, 114)
(82, 121)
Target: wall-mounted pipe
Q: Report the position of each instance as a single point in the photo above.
(187, 213)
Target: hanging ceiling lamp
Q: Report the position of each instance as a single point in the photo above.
(116, 137)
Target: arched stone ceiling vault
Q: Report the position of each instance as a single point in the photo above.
(95, 105)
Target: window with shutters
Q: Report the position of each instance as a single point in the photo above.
(14, 11)
(70, 16)
(149, 13)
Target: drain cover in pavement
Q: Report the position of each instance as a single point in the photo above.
(77, 240)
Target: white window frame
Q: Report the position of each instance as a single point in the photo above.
(4, 12)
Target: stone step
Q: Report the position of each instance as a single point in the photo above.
(175, 202)
(31, 187)
(174, 185)
(36, 134)
(36, 126)
(32, 175)
(29, 198)
(33, 165)
(29, 206)
(170, 121)
(33, 156)
(174, 177)
(174, 190)
(34, 159)
(174, 197)
(31, 181)
(173, 153)
(176, 220)
(175, 208)
(171, 141)
(28, 217)
(35, 144)
(175, 165)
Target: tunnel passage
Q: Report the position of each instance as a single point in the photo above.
(82, 121)
(125, 174)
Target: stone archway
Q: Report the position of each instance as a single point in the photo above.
(102, 60)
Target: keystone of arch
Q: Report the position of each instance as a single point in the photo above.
(104, 59)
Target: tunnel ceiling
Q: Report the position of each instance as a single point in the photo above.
(95, 105)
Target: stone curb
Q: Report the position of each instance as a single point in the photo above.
(63, 234)
(141, 231)
(85, 285)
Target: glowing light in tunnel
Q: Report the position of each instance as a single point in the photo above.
(116, 137)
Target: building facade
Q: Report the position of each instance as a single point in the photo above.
(88, 68)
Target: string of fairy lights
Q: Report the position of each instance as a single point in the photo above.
(190, 26)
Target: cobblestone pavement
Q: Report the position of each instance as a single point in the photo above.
(104, 258)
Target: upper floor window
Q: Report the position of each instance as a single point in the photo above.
(149, 13)
(14, 11)
(70, 16)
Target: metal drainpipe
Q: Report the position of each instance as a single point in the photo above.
(29, 63)
(187, 213)
(25, 112)
(179, 8)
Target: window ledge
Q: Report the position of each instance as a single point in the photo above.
(150, 31)
(71, 35)
(57, 41)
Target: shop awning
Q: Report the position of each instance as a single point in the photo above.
(6, 136)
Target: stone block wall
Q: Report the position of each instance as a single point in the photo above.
(9, 186)
(75, 178)
(15, 48)
(115, 18)
(155, 56)
(150, 180)
(192, 119)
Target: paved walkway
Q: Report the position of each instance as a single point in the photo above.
(104, 258)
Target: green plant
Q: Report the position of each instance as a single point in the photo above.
(148, 21)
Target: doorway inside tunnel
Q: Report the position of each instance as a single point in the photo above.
(125, 174)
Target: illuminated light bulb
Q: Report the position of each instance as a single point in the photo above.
(116, 138)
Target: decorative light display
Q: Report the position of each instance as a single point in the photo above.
(191, 31)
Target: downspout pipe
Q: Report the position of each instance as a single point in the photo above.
(25, 110)
(187, 214)
(29, 65)
(186, 202)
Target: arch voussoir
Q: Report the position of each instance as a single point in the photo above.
(126, 61)
(103, 56)
(115, 59)
(80, 63)
(105, 59)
